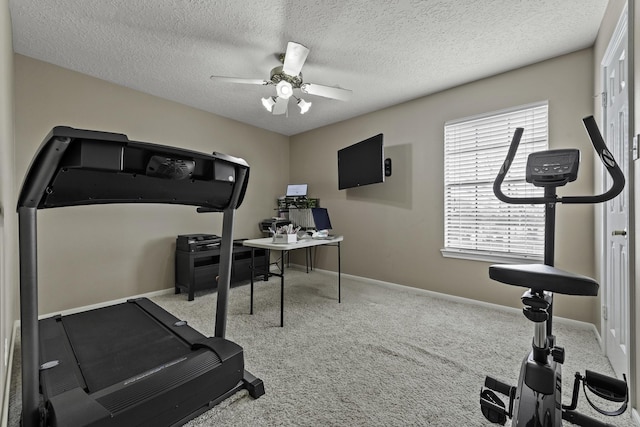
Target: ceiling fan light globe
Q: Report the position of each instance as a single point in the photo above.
(268, 103)
(284, 89)
(304, 105)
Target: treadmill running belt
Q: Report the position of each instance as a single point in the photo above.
(118, 342)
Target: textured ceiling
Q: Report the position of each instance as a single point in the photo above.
(386, 52)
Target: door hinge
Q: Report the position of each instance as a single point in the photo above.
(604, 312)
(604, 99)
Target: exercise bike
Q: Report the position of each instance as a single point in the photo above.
(537, 399)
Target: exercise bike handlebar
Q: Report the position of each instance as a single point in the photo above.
(603, 153)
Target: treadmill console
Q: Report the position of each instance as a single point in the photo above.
(553, 168)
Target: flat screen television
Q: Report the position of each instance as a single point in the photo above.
(361, 163)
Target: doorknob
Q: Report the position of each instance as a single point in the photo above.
(619, 233)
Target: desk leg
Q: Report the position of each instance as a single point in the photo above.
(282, 290)
(267, 265)
(251, 271)
(307, 256)
(191, 282)
(339, 272)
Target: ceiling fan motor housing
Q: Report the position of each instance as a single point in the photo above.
(277, 75)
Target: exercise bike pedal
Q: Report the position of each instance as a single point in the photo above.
(493, 408)
(603, 386)
(608, 388)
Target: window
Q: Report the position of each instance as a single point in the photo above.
(476, 224)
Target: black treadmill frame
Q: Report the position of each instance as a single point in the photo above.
(81, 167)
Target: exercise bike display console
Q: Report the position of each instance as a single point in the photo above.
(537, 399)
(553, 167)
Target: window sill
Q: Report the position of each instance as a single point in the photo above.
(492, 257)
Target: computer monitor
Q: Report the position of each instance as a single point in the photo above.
(321, 219)
(296, 190)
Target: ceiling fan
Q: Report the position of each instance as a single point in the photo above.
(288, 77)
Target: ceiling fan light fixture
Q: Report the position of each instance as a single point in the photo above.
(284, 89)
(286, 78)
(304, 105)
(268, 103)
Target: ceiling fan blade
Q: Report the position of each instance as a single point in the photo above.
(294, 58)
(239, 80)
(326, 91)
(281, 106)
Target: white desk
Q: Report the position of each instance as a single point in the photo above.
(267, 243)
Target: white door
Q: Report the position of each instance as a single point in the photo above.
(615, 289)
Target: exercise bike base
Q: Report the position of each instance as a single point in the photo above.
(495, 410)
(582, 420)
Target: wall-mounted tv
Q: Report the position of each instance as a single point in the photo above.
(361, 163)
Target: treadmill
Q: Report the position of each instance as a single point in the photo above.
(133, 363)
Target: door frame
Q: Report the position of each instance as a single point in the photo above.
(628, 15)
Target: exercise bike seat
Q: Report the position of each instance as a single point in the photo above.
(541, 277)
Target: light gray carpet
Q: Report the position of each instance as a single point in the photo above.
(384, 356)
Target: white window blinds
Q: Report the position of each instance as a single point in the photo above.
(476, 223)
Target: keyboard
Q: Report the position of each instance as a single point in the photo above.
(329, 237)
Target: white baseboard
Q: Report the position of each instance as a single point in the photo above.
(577, 323)
(106, 303)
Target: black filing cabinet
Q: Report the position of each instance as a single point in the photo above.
(197, 269)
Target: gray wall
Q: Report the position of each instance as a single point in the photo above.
(8, 268)
(93, 254)
(394, 230)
